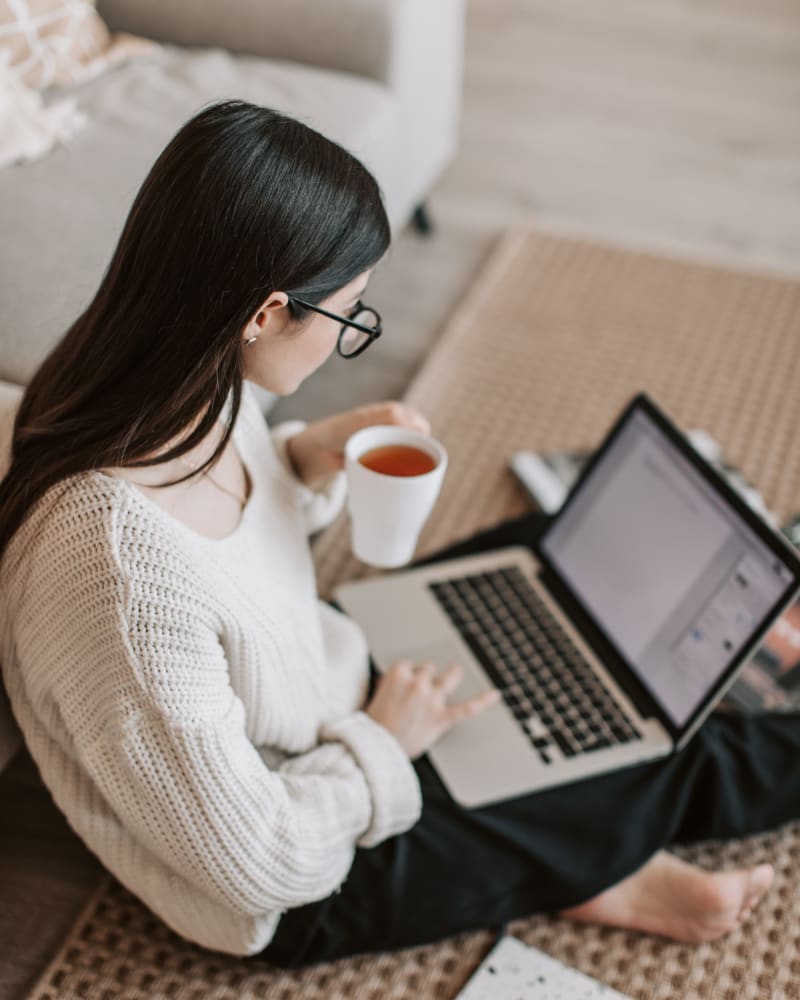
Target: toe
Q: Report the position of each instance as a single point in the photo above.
(758, 883)
(760, 880)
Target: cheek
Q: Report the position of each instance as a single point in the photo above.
(309, 350)
(321, 338)
(280, 365)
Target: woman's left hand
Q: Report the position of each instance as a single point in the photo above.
(317, 452)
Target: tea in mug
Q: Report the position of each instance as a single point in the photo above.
(398, 460)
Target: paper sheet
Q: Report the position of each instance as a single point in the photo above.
(514, 971)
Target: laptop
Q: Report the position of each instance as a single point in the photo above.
(611, 638)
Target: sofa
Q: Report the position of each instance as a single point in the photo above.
(382, 77)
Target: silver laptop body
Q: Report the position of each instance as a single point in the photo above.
(654, 582)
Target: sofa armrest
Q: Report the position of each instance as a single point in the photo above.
(10, 396)
(10, 736)
(414, 48)
(371, 38)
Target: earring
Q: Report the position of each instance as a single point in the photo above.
(250, 340)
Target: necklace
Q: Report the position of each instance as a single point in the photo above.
(238, 497)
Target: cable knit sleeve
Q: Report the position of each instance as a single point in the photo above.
(321, 506)
(198, 795)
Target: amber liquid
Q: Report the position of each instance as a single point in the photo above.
(398, 460)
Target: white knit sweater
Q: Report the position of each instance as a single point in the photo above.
(192, 707)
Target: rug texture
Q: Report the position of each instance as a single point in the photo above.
(554, 338)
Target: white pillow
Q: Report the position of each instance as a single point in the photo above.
(28, 128)
(53, 43)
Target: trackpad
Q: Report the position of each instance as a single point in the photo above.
(443, 652)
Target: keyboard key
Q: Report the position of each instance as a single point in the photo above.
(564, 745)
(532, 661)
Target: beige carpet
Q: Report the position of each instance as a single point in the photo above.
(554, 338)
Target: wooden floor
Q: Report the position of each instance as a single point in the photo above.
(669, 125)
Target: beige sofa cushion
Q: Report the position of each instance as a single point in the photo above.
(61, 216)
(9, 400)
(10, 396)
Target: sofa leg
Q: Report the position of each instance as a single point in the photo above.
(422, 221)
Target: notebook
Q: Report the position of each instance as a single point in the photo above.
(514, 971)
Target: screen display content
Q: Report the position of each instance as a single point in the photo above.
(673, 575)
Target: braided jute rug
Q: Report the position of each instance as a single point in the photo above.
(553, 338)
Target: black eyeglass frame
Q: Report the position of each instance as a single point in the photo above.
(373, 332)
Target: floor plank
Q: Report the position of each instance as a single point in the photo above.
(669, 125)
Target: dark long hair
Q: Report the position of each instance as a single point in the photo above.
(242, 202)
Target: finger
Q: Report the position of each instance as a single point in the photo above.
(371, 414)
(344, 425)
(472, 706)
(425, 669)
(426, 665)
(404, 668)
(450, 679)
(416, 422)
(404, 416)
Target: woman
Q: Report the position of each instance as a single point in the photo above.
(205, 723)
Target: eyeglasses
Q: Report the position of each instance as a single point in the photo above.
(359, 328)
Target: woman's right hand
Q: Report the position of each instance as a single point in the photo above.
(411, 702)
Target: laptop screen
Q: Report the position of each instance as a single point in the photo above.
(665, 564)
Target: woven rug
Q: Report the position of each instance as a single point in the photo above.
(553, 339)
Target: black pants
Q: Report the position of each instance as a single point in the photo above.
(463, 869)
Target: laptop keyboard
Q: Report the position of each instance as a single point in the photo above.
(551, 691)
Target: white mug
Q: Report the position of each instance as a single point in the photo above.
(388, 512)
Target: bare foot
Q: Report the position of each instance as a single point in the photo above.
(677, 900)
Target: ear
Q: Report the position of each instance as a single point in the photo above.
(261, 317)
